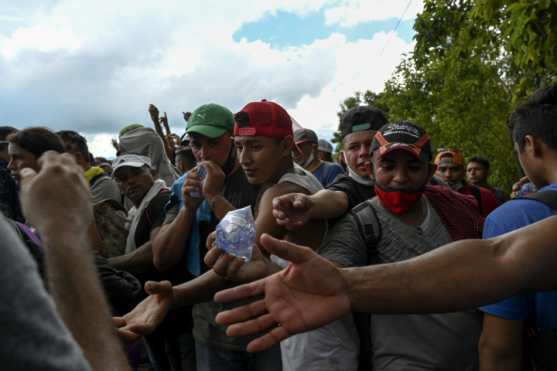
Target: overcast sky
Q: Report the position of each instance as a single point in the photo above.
(95, 66)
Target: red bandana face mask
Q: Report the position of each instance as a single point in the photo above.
(397, 202)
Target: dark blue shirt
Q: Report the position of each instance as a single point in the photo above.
(537, 309)
(327, 172)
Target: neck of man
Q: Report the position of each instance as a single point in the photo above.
(481, 183)
(285, 166)
(314, 165)
(415, 215)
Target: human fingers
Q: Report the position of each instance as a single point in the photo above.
(221, 265)
(162, 287)
(242, 313)
(210, 240)
(48, 158)
(266, 341)
(127, 335)
(26, 176)
(279, 214)
(300, 202)
(253, 326)
(284, 201)
(241, 292)
(233, 268)
(188, 190)
(193, 181)
(118, 321)
(286, 250)
(212, 256)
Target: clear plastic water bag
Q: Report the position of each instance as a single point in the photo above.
(236, 233)
(202, 173)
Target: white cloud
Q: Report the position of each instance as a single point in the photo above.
(96, 66)
(361, 65)
(352, 12)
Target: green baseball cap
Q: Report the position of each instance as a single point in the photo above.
(210, 120)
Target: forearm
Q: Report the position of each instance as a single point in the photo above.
(80, 300)
(220, 206)
(450, 278)
(493, 359)
(198, 290)
(328, 204)
(169, 243)
(138, 261)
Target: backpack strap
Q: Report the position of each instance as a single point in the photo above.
(369, 227)
(367, 222)
(548, 198)
(475, 191)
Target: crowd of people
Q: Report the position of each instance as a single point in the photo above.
(383, 255)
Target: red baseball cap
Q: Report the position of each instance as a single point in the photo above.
(264, 119)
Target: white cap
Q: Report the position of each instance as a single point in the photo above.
(130, 160)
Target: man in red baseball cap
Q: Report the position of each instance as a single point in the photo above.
(407, 218)
(263, 141)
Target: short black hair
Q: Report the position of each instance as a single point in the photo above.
(536, 117)
(37, 140)
(480, 160)
(5, 131)
(73, 141)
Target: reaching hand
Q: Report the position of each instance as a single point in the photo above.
(233, 268)
(292, 210)
(57, 196)
(518, 186)
(147, 315)
(308, 294)
(154, 113)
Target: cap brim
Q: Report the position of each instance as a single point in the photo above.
(129, 164)
(208, 131)
(383, 151)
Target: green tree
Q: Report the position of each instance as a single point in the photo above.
(472, 62)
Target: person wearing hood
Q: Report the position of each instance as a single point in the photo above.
(139, 140)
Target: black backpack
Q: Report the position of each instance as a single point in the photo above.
(540, 345)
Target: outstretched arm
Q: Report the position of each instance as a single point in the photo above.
(294, 210)
(62, 218)
(463, 274)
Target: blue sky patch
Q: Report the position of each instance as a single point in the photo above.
(284, 29)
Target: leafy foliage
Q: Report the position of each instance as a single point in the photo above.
(473, 61)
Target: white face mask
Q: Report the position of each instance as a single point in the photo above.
(308, 161)
(354, 175)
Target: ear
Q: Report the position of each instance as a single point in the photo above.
(538, 146)
(287, 145)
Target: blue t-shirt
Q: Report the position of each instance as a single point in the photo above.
(327, 172)
(537, 309)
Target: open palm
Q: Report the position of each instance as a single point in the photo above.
(308, 294)
(147, 315)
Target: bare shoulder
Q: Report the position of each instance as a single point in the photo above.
(280, 189)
